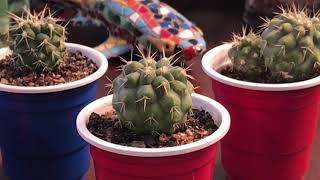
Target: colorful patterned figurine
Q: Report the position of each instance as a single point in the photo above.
(131, 22)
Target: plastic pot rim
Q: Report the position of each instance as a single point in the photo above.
(91, 53)
(83, 118)
(213, 55)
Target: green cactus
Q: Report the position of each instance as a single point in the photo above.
(13, 6)
(246, 54)
(152, 96)
(17, 6)
(293, 40)
(4, 23)
(288, 48)
(38, 41)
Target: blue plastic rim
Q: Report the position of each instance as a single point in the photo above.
(41, 128)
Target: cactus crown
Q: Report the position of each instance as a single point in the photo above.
(288, 47)
(37, 41)
(152, 96)
(246, 54)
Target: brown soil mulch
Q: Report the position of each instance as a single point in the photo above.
(199, 125)
(75, 67)
(263, 78)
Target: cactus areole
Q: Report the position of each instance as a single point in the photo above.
(288, 47)
(152, 96)
(37, 41)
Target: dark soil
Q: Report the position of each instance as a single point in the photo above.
(263, 78)
(75, 66)
(108, 127)
(235, 74)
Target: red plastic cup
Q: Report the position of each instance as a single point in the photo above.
(273, 125)
(193, 161)
(196, 165)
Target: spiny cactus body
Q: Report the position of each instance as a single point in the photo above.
(4, 23)
(246, 54)
(288, 47)
(292, 50)
(38, 41)
(152, 96)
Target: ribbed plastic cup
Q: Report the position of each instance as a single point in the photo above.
(271, 132)
(194, 161)
(197, 165)
(38, 135)
(273, 125)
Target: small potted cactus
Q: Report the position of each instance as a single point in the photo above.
(145, 130)
(269, 82)
(44, 83)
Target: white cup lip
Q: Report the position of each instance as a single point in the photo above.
(91, 53)
(221, 50)
(84, 114)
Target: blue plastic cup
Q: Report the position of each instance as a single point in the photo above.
(38, 135)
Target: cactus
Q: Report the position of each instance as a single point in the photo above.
(15, 7)
(152, 96)
(246, 54)
(4, 23)
(38, 41)
(293, 40)
(288, 48)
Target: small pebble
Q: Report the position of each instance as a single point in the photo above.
(163, 138)
(31, 84)
(138, 144)
(4, 81)
(189, 132)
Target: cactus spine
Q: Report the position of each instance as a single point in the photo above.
(38, 41)
(152, 96)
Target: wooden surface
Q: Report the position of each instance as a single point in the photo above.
(217, 22)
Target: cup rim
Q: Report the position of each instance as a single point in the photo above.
(221, 50)
(84, 114)
(91, 53)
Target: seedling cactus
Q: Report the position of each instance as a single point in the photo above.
(38, 41)
(152, 96)
(288, 47)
